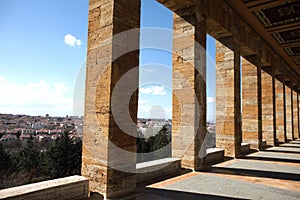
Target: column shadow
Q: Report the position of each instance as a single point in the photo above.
(281, 151)
(270, 159)
(164, 194)
(291, 146)
(255, 173)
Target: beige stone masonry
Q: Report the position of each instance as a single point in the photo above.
(228, 101)
(267, 108)
(298, 115)
(295, 117)
(289, 124)
(250, 105)
(189, 89)
(68, 188)
(279, 111)
(108, 155)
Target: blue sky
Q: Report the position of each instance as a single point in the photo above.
(43, 50)
(37, 69)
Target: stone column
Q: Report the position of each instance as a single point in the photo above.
(292, 114)
(284, 112)
(251, 104)
(228, 97)
(295, 115)
(109, 142)
(275, 143)
(279, 111)
(267, 108)
(298, 107)
(189, 88)
(288, 97)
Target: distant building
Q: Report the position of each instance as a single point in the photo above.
(9, 137)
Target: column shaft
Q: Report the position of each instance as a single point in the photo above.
(267, 108)
(275, 143)
(292, 114)
(189, 89)
(109, 147)
(298, 107)
(228, 97)
(295, 113)
(279, 111)
(250, 104)
(284, 112)
(288, 98)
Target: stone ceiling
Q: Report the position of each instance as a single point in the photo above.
(277, 22)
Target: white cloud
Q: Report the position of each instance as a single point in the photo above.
(35, 98)
(72, 41)
(154, 90)
(146, 70)
(211, 99)
(147, 110)
(211, 116)
(143, 108)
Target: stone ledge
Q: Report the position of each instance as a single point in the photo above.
(157, 168)
(264, 144)
(245, 148)
(214, 155)
(72, 187)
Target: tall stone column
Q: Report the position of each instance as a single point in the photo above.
(288, 97)
(295, 115)
(275, 143)
(279, 111)
(292, 114)
(228, 97)
(298, 115)
(109, 142)
(189, 88)
(267, 108)
(284, 111)
(251, 104)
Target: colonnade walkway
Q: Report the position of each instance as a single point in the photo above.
(270, 174)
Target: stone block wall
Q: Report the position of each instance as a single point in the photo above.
(289, 124)
(279, 111)
(189, 89)
(228, 104)
(250, 104)
(295, 117)
(267, 108)
(68, 188)
(157, 169)
(109, 142)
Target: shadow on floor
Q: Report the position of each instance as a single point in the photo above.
(163, 194)
(291, 146)
(295, 142)
(162, 178)
(255, 173)
(282, 151)
(264, 158)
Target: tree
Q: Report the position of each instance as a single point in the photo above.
(65, 156)
(159, 141)
(5, 160)
(19, 166)
(154, 144)
(29, 156)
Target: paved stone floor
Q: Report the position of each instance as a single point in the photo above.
(270, 174)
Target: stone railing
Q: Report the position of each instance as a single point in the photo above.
(72, 187)
(157, 168)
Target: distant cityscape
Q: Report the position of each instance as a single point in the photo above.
(41, 127)
(47, 128)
